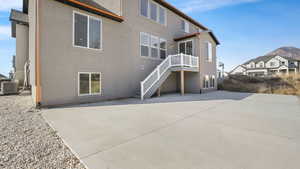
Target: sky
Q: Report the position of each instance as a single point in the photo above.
(245, 28)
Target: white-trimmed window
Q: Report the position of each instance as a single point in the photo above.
(185, 26)
(209, 52)
(89, 83)
(144, 7)
(212, 81)
(206, 82)
(163, 48)
(87, 31)
(152, 46)
(261, 65)
(186, 47)
(145, 43)
(162, 16)
(153, 11)
(272, 64)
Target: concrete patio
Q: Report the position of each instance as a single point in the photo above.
(219, 130)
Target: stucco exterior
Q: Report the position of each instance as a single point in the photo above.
(120, 63)
(22, 51)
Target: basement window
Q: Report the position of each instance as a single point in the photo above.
(89, 84)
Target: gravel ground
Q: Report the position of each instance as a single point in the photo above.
(27, 141)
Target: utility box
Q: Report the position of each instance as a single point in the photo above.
(8, 87)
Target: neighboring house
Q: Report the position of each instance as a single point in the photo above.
(268, 65)
(85, 51)
(2, 77)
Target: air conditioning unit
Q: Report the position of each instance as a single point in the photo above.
(8, 87)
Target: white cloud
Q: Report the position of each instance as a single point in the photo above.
(6, 5)
(5, 32)
(206, 5)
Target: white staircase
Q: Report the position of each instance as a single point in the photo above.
(172, 63)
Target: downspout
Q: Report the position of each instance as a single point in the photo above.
(37, 56)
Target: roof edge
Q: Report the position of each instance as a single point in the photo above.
(196, 34)
(18, 17)
(89, 8)
(180, 13)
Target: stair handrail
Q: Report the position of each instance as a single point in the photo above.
(158, 69)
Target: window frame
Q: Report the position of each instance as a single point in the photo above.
(140, 8)
(212, 81)
(150, 46)
(157, 12)
(88, 31)
(159, 48)
(185, 42)
(90, 84)
(186, 24)
(206, 82)
(209, 46)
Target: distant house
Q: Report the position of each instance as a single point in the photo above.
(268, 65)
(77, 51)
(2, 77)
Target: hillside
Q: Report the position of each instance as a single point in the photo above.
(288, 85)
(287, 51)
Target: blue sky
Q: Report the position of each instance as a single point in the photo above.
(245, 28)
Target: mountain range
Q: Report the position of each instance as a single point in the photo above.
(292, 52)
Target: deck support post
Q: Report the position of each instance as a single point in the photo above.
(182, 82)
(159, 91)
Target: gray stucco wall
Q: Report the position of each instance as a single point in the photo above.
(207, 68)
(171, 85)
(31, 46)
(22, 53)
(120, 62)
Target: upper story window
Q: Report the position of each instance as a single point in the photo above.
(153, 11)
(87, 31)
(144, 6)
(261, 65)
(186, 47)
(272, 64)
(185, 26)
(209, 50)
(153, 46)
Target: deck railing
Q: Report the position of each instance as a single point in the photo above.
(179, 60)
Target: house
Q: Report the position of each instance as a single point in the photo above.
(268, 65)
(2, 77)
(78, 51)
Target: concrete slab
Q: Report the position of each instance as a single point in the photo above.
(219, 130)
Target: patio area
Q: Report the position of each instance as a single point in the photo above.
(218, 130)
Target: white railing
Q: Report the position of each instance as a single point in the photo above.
(180, 60)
